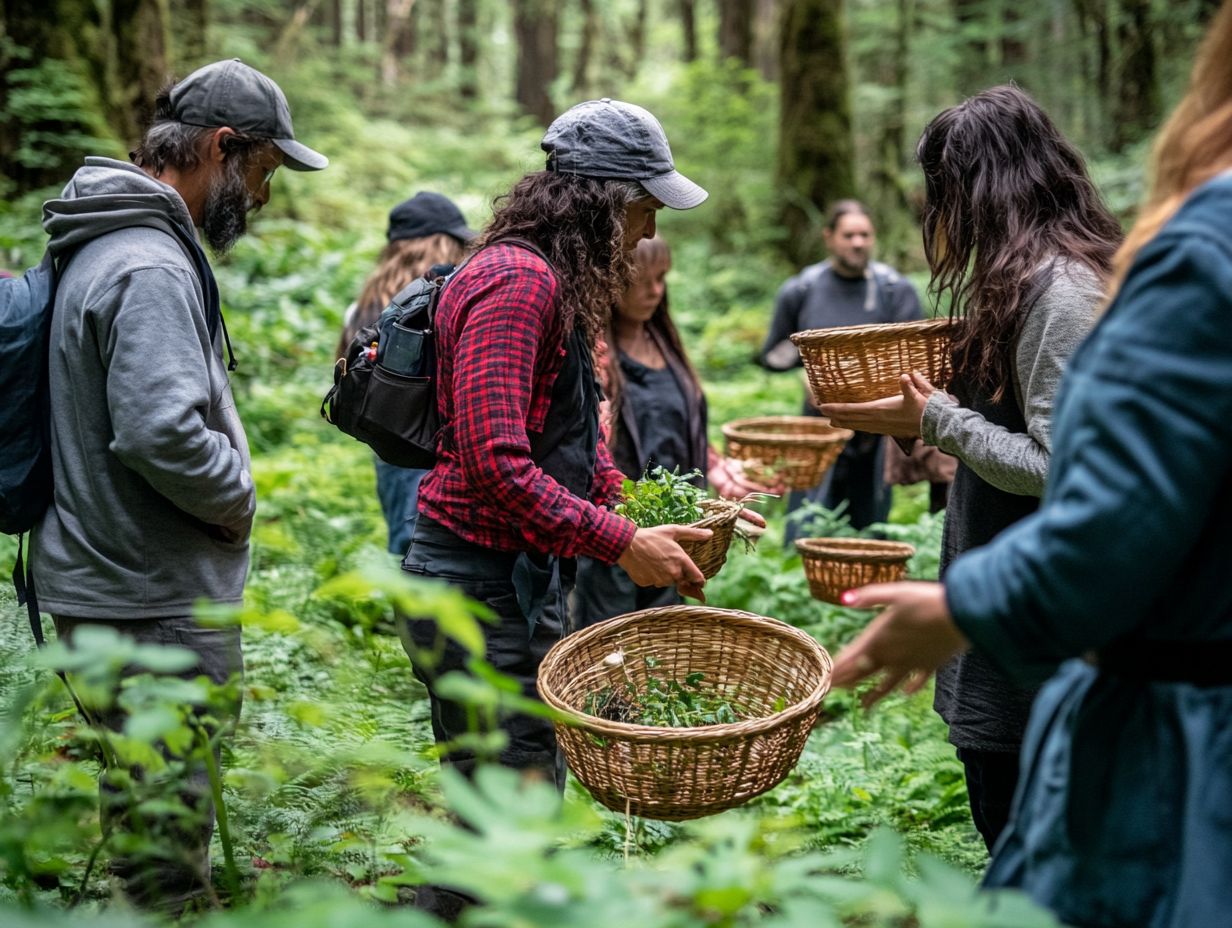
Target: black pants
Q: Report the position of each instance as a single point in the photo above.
(603, 591)
(857, 477)
(173, 867)
(992, 777)
(527, 596)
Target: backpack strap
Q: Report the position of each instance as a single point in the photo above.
(23, 584)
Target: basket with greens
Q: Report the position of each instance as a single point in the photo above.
(664, 497)
(684, 711)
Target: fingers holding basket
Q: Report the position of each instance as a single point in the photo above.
(655, 558)
(899, 416)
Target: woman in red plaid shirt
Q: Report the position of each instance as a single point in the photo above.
(523, 482)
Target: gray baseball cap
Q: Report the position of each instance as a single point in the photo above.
(230, 93)
(610, 139)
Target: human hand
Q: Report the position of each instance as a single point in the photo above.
(900, 416)
(654, 558)
(727, 477)
(909, 640)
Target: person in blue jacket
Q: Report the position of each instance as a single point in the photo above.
(1118, 586)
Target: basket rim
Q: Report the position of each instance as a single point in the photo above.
(718, 512)
(703, 734)
(854, 549)
(878, 331)
(746, 431)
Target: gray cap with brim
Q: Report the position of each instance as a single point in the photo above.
(230, 93)
(619, 141)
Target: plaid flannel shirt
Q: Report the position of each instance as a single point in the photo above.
(500, 345)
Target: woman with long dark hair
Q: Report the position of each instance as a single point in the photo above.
(1017, 237)
(424, 232)
(1118, 587)
(657, 418)
(523, 484)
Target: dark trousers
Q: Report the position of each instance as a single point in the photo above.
(992, 777)
(528, 598)
(397, 488)
(858, 476)
(173, 866)
(603, 591)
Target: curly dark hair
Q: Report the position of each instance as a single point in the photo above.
(1006, 194)
(579, 224)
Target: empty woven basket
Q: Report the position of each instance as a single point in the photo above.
(720, 516)
(834, 565)
(797, 449)
(858, 363)
(777, 672)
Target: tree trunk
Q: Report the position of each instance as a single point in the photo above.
(335, 22)
(436, 21)
(361, 20)
(535, 25)
(1137, 107)
(766, 39)
(637, 40)
(193, 46)
(60, 47)
(971, 68)
(139, 33)
(468, 49)
(580, 81)
(398, 44)
(688, 25)
(816, 150)
(736, 30)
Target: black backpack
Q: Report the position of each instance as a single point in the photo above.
(384, 390)
(25, 429)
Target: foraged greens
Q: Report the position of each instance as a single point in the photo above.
(668, 703)
(662, 497)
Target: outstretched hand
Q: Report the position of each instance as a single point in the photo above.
(909, 640)
(899, 416)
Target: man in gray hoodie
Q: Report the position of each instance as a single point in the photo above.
(153, 500)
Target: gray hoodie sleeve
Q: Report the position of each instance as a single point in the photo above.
(161, 395)
(1017, 462)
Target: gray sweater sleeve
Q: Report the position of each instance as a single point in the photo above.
(1017, 462)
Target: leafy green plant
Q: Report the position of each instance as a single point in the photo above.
(668, 703)
(662, 497)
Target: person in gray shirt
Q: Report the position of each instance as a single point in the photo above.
(1017, 235)
(848, 288)
(153, 493)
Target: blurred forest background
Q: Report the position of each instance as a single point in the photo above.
(778, 106)
(775, 106)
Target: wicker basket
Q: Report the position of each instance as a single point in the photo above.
(797, 449)
(682, 773)
(858, 363)
(834, 565)
(720, 516)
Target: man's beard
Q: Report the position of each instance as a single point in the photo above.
(227, 205)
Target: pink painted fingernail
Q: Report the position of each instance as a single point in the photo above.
(848, 597)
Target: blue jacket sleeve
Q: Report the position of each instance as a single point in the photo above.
(1143, 446)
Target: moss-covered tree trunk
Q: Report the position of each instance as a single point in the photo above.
(535, 24)
(1137, 107)
(468, 49)
(139, 32)
(736, 30)
(688, 26)
(816, 153)
(54, 80)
